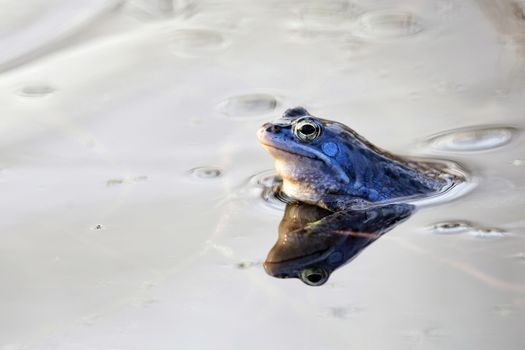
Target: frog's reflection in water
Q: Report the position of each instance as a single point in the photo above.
(313, 242)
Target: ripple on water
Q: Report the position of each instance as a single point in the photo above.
(385, 24)
(450, 227)
(268, 184)
(249, 105)
(487, 233)
(193, 42)
(466, 227)
(36, 90)
(206, 172)
(472, 139)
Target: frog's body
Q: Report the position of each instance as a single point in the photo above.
(328, 164)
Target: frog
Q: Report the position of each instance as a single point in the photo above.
(328, 164)
(313, 241)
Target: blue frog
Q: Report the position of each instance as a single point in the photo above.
(327, 164)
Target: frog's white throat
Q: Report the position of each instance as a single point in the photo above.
(297, 191)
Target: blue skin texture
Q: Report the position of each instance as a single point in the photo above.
(338, 168)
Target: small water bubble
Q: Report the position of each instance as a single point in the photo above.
(451, 227)
(196, 41)
(249, 105)
(206, 172)
(471, 139)
(384, 24)
(36, 90)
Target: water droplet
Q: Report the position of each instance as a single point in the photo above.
(471, 139)
(206, 172)
(36, 90)
(249, 105)
(384, 24)
(451, 227)
(196, 41)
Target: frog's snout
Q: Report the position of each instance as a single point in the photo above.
(267, 130)
(271, 128)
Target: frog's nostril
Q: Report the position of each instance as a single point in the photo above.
(274, 129)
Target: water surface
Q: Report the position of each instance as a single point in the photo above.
(139, 117)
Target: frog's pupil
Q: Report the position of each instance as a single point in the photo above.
(307, 129)
(315, 277)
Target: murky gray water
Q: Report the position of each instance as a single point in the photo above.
(131, 176)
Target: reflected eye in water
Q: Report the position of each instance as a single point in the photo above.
(314, 276)
(306, 129)
(311, 252)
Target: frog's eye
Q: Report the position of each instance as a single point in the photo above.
(307, 130)
(314, 276)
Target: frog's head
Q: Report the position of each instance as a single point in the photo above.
(312, 155)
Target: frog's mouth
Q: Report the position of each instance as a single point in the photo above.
(265, 145)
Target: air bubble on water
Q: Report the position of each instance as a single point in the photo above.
(36, 90)
(249, 105)
(451, 227)
(206, 172)
(385, 24)
(471, 139)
